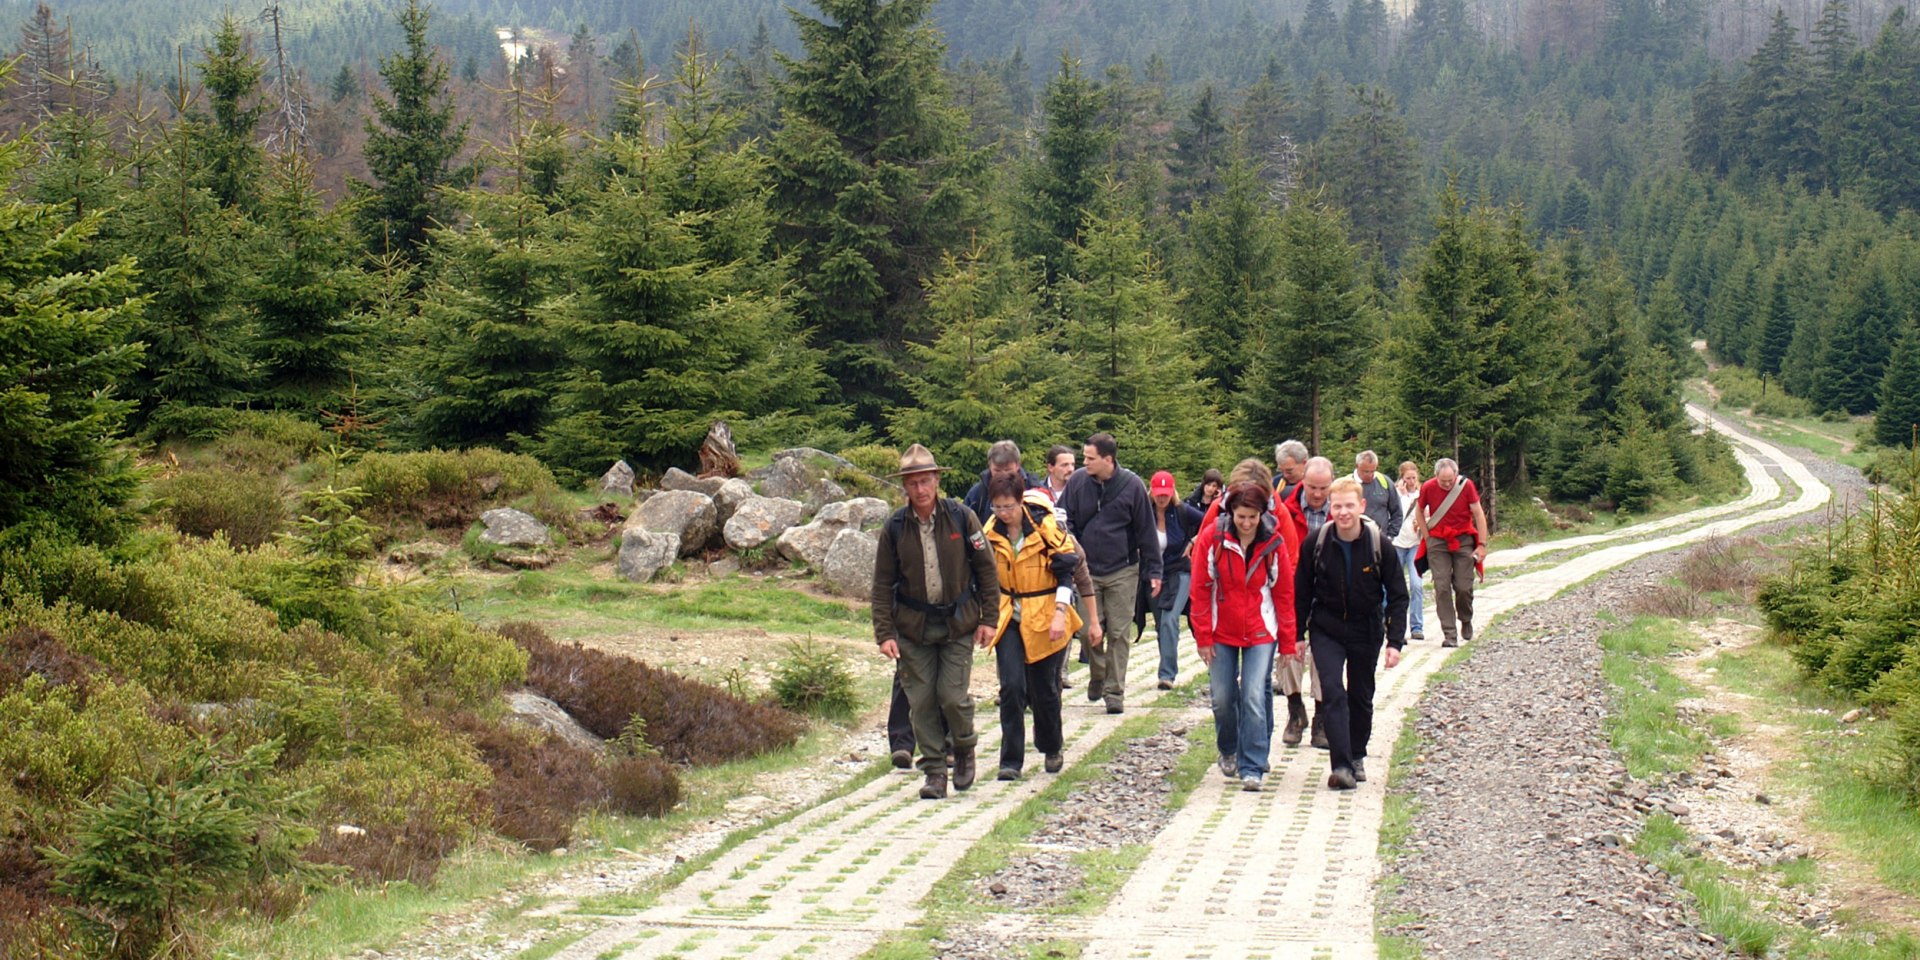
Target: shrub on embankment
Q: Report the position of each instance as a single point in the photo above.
(190, 730)
(1850, 610)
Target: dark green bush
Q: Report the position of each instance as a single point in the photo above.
(247, 507)
(260, 440)
(813, 678)
(688, 721)
(1906, 746)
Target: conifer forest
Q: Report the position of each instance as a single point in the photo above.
(343, 257)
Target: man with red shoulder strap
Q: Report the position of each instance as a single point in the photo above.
(1453, 525)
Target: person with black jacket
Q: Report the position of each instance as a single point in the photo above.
(1003, 460)
(1345, 570)
(1109, 514)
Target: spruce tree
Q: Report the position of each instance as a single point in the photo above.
(1854, 359)
(1368, 169)
(1879, 135)
(1778, 107)
(412, 140)
(1266, 117)
(677, 318)
(69, 329)
(304, 292)
(1773, 333)
(871, 184)
(1899, 413)
(1058, 187)
(986, 375)
(1232, 276)
(1201, 147)
(230, 74)
(1130, 364)
(1312, 350)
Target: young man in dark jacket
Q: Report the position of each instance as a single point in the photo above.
(1108, 512)
(935, 595)
(1345, 571)
(1003, 460)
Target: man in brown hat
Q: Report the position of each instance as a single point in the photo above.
(934, 584)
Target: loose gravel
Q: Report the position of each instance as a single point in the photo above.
(1520, 841)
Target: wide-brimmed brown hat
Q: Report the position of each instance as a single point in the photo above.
(917, 459)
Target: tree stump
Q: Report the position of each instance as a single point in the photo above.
(718, 458)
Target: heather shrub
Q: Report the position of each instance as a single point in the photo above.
(641, 786)
(246, 507)
(688, 721)
(541, 783)
(813, 678)
(31, 651)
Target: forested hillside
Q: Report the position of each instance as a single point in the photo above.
(259, 316)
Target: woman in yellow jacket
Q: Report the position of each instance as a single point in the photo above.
(1038, 563)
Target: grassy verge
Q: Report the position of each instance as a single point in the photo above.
(1396, 829)
(1645, 726)
(1654, 740)
(345, 921)
(1838, 770)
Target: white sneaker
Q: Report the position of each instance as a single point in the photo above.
(1250, 783)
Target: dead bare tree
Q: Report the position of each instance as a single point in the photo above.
(290, 129)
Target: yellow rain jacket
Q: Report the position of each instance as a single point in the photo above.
(1027, 578)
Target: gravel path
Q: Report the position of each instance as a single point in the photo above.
(1519, 842)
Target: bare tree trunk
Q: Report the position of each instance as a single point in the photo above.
(1313, 398)
(1493, 481)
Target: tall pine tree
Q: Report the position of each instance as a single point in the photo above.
(412, 140)
(1059, 186)
(871, 184)
(1899, 413)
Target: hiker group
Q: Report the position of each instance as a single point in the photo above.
(1295, 583)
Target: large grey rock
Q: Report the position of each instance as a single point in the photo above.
(644, 553)
(760, 519)
(537, 711)
(690, 516)
(790, 477)
(809, 543)
(732, 494)
(678, 479)
(618, 479)
(849, 565)
(507, 527)
(817, 457)
(860, 513)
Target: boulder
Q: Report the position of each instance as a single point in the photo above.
(644, 553)
(849, 565)
(860, 513)
(810, 542)
(760, 519)
(618, 479)
(537, 711)
(789, 477)
(507, 527)
(819, 458)
(688, 515)
(678, 479)
(733, 492)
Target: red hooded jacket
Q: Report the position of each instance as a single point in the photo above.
(1244, 598)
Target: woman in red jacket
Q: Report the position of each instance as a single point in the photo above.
(1242, 572)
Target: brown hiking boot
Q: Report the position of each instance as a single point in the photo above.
(1096, 690)
(935, 787)
(1296, 723)
(1319, 728)
(902, 759)
(963, 769)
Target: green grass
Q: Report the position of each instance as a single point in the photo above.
(576, 599)
(1643, 727)
(1870, 820)
(547, 948)
(1396, 828)
(1743, 922)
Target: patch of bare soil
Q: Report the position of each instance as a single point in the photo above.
(1740, 814)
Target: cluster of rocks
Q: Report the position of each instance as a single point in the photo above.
(793, 507)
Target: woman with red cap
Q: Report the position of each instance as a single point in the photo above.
(1175, 522)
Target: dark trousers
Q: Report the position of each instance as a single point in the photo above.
(899, 720)
(1024, 685)
(1346, 663)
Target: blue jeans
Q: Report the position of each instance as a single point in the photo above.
(1416, 598)
(1168, 622)
(1243, 704)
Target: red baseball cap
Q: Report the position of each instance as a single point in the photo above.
(1162, 483)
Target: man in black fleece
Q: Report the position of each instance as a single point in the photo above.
(1345, 571)
(1109, 513)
